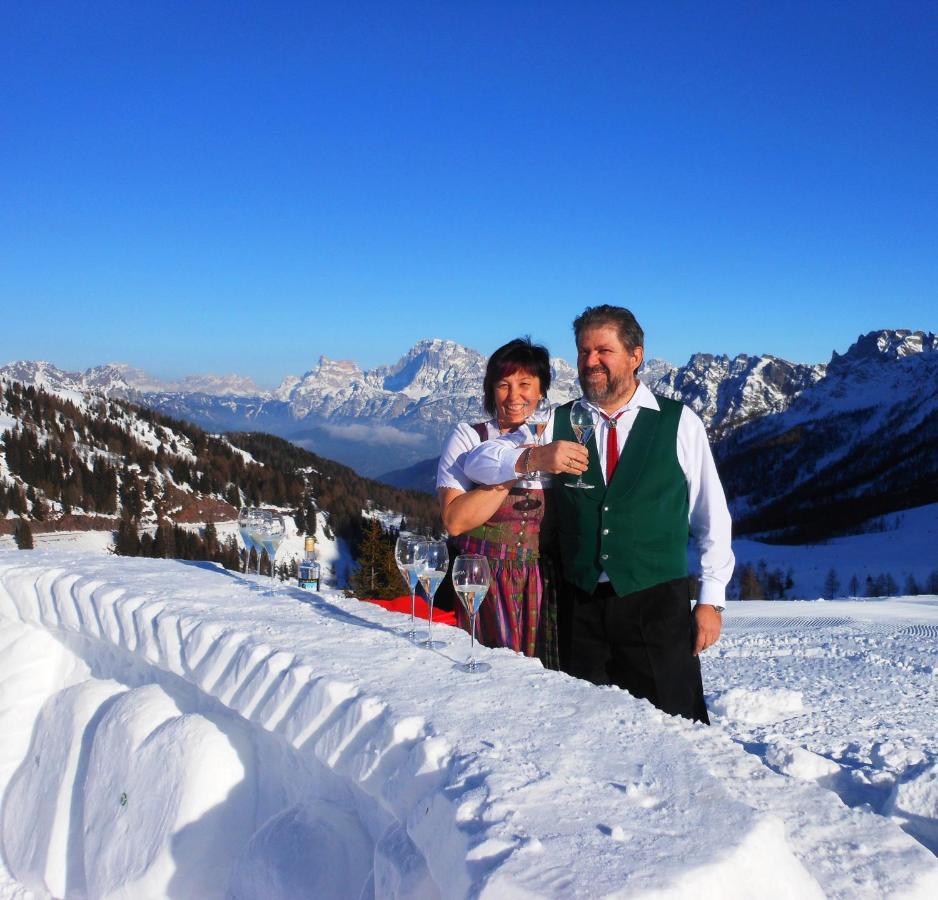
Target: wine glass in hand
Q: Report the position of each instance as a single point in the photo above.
(431, 577)
(581, 421)
(538, 418)
(471, 578)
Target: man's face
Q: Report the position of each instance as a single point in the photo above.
(606, 367)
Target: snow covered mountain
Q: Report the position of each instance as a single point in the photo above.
(727, 392)
(341, 411)
(857, 443)
(124, 382)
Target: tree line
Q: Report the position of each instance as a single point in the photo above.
(94, 459)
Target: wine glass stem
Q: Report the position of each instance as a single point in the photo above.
(472, 642)
(413, 612)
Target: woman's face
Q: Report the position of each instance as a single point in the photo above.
(515, 396)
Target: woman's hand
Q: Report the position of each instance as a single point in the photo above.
(558, 458)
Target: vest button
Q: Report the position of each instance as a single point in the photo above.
(604, 556)
(605, 531)
(605, 509)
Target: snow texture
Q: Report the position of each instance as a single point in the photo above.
(171, 729)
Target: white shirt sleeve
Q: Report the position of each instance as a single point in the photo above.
(449, 471)
(493, 462)
(710, 522)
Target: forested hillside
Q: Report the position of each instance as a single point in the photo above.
(87, 462)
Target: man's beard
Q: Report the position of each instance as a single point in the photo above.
(602, 391)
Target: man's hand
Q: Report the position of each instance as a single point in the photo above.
(708, 627)
(560, 458)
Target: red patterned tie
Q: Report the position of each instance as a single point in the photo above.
(612, 444)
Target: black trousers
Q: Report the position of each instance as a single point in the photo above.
(642, 642)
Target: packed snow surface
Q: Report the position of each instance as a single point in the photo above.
(171, 729)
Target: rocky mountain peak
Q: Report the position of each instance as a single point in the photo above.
(882, 346)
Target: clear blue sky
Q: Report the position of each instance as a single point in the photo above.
(225, 186)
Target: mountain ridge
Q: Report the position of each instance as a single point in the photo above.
(339, 410)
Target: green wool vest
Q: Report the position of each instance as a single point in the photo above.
(635, 529)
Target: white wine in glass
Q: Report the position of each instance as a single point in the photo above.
(275, 530)
(471, 579)
(431, 577)
(410, 553)
(247, 519)
(538, 418)
(581, 421)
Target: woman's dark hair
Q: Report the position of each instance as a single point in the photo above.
(519, 355)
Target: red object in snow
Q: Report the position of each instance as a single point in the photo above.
(421, 610)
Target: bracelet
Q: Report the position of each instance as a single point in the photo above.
(526, 468)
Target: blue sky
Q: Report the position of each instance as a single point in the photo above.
(216, 187)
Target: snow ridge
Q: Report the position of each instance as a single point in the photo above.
(320, 708)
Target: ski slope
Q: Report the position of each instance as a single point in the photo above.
(170, 729)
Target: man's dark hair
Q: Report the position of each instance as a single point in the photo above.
(519, 355)
(630, 332)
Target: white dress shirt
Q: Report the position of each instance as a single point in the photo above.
(493, 462)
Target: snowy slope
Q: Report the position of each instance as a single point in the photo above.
(908, 547)
(168, 729)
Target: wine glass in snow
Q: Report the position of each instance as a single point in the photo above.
(249, 519)
(581, 421)
(275, 530)
(471, 578)
(431, 577)
(410, 553)
(257, 528)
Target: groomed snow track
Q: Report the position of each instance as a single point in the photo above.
(168, 729)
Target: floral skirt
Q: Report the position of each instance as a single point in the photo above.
(520, 609)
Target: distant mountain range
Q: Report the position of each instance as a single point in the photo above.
(782, 431)
(344, 412)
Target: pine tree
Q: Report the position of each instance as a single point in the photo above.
(377, 575)
(23, 535)
(750, 588)
(164, 544)
(211, 541)
(854, 586)
(831, 585)
(128, 539)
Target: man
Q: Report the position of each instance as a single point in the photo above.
(623, 542)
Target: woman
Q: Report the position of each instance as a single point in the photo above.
(505, 522)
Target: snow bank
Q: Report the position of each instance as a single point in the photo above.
(170, 729)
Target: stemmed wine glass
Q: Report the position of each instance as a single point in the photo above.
(257, 527)
(275, 530)
(581, 421)
(431, 577)
(539, 415)
(471, 578)
(410, 554)
(248, 520)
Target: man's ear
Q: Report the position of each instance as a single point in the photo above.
(638, 355)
